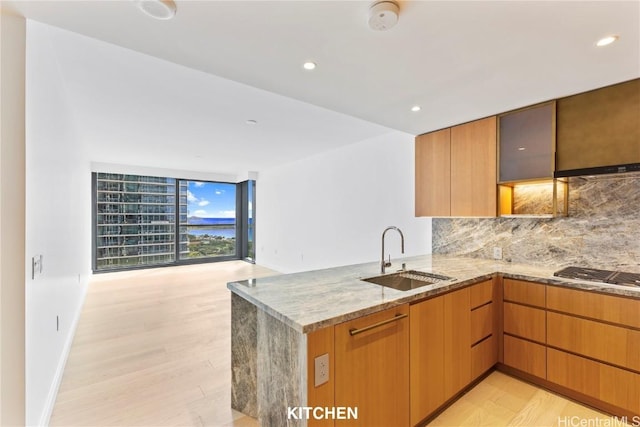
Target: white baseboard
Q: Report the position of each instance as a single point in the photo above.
(57, 379)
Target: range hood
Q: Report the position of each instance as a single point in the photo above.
(598, 170)
(598, 132)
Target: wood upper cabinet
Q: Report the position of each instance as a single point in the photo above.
(599, 128)
(433, 174)
(372, 368)
(473, 168)
(456, 171)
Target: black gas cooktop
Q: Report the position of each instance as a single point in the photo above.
(604, 276)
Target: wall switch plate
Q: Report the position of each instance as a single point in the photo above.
(321, 369)
(497, 252)
(36, 266)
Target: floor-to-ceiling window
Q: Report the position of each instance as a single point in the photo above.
(210, 223)
(142, 221)
(247, 206)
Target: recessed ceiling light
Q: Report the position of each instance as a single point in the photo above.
(309, 65)
(416, 108)
(251, 122)
(158, 9)
(606, 40)
(521, 148)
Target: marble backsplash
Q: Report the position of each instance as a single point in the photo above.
(601, 231)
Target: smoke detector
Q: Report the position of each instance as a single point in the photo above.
(383, 15)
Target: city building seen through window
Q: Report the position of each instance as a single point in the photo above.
(142, 221)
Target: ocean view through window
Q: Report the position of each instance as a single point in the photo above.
(210, 222)
(146, 221)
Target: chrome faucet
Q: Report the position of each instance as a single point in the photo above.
(384, 264)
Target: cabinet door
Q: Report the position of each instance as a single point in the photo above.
(457, 336)
(433, 174)
(427, 358)
(372, 368)
(527, 143)
(473, 169)
(599, 128)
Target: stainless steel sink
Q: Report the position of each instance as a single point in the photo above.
(406, 280)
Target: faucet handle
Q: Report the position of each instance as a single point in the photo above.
(387, 263)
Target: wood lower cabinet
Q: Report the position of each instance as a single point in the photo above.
(585, 344)
(617, 345)
(594, 347)
(609, 384)
(372, 368)
(456, 170)
(484, 356)
(524, 326)
(525, 322)
(483, 341)
(523, 292)
(525, 355)
(448, 350)
(319, 343)
(457, 336)
(607, 308)
(426, 358)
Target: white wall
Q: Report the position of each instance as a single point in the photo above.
(58, 225)
(331, 209)
(12, 221)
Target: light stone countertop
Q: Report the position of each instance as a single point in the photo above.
(311, 300)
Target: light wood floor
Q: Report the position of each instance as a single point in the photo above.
(501, 400)
(153, 348)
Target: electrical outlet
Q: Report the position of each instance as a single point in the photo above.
(497, 252)
(321, 369)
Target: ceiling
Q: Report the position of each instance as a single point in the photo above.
(223, 62)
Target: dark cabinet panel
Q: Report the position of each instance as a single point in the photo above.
(599, 128)
(527, 139)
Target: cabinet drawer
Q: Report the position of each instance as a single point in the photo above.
(525, 322)
(481, 323)
(613, 344)
(524, 292)
(612, 385)
(526, 356)
(483, 356)
(623, 311)
(481, 293)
